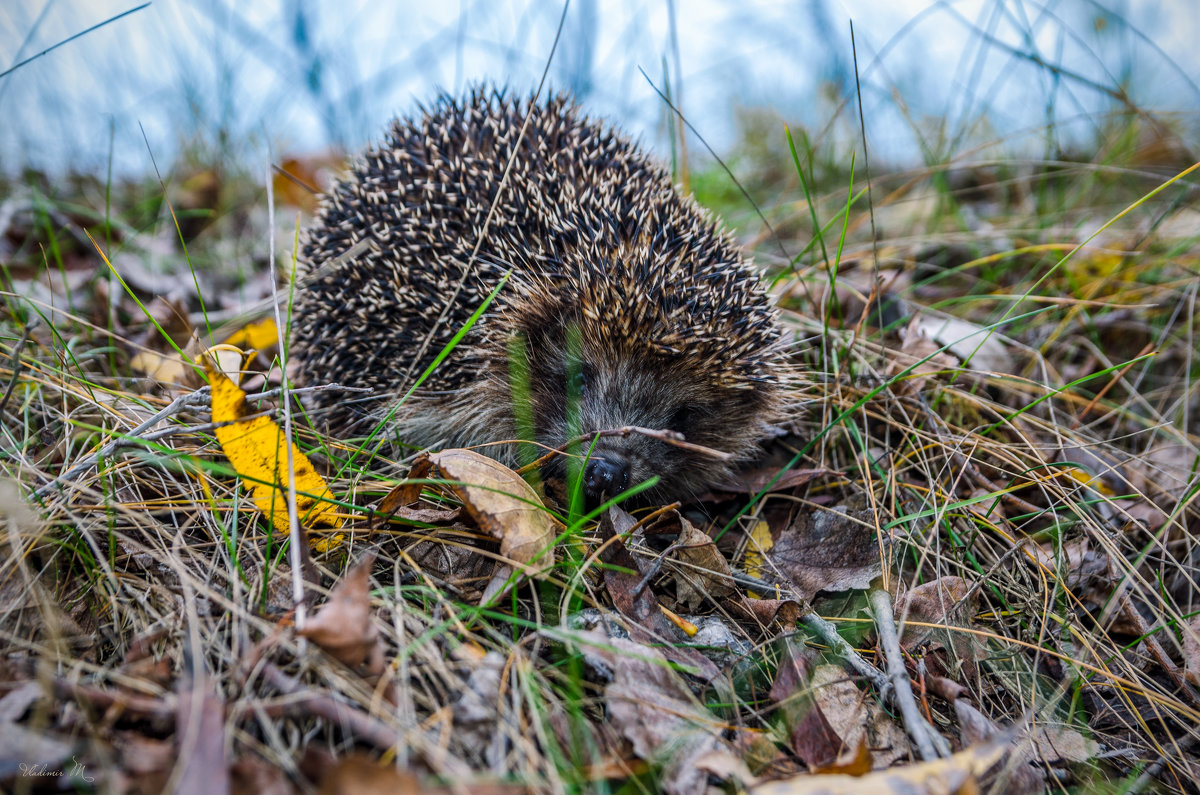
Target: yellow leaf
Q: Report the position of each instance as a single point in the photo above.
(760, 545)
(262, 334)
(258, 451)
(756, 553)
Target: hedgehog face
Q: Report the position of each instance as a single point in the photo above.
(581, 389)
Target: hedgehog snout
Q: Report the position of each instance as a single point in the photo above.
(605, 476)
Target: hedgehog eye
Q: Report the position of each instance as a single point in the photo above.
(579, 376)
(681, 420)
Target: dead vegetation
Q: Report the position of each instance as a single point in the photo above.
(969, 560)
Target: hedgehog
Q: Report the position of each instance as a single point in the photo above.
(623, 303)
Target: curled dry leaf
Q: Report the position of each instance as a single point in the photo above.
(502, 504)
(958, 773)
(343, 625)
(258, 450)
(706, 573)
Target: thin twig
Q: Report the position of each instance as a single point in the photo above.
(902, 693)
(16, 363)
(90, 461)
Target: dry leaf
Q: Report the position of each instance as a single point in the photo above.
(858, 719)
(959, 773)
(255, 336)
(343, 625)
(756, 552)
(258, 450)
(1049, 745)
(753, 481)
(200, 732)
(168, 368)
(503, 505)
(977, 347)
(650, 706)
(812, 738)
(831, 549)
(707, 573)
(646, 620)
(942, 602)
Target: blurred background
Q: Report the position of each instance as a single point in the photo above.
(229, 81)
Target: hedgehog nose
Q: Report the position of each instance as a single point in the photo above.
(605, 476)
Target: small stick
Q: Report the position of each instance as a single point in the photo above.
(902, 692)
(90, 461)
(16, 366)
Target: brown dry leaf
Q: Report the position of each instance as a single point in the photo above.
(1191, 651)
(258, 451)
(503, 505)
(343, 625)
(1085, 570)
(650, 706)
(939, 601)
(1055, 744)
(400, 501)
(646, 620)
(959, 773)
(1049, 745)
(917, 345)
(361, 775)
(942, 602)
(812, 738)
(200, 732)
(767, 612)
(706, 573)
(831, 549)
(299, 180)
(858, 719)
(752, 481)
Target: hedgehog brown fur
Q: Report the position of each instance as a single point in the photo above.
(616, 278)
